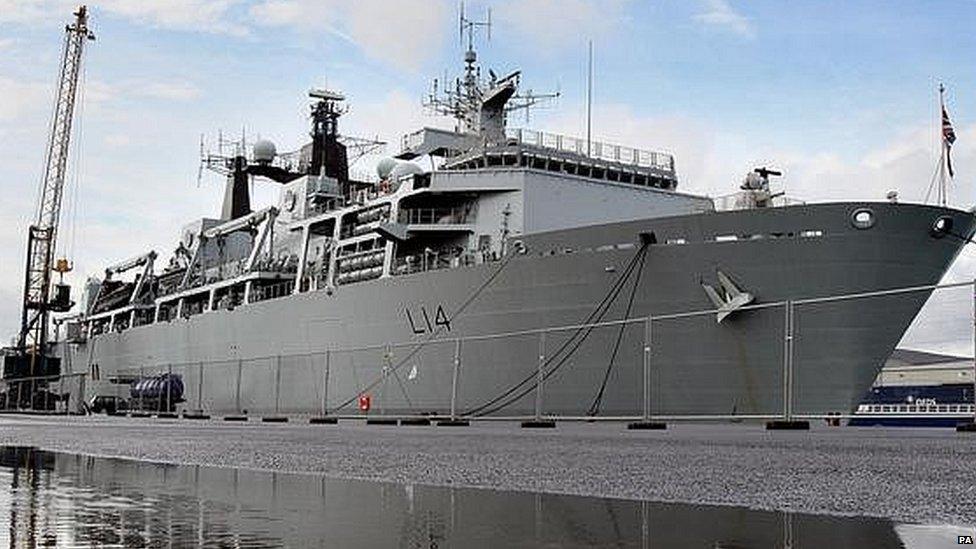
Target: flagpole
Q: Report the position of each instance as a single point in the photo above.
(942, 155)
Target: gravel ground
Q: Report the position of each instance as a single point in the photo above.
(910, 475)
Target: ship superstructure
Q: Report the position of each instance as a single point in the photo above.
(330, 230)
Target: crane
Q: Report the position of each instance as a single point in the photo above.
(41, 297)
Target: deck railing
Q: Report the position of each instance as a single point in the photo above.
(594, 149)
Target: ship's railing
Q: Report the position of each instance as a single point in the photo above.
(780, 376)
(458, 215)
(594, 149)
(743, 201)
(432, 261)
(272, 291)
(54, 394)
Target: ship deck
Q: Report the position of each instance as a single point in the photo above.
(919, 475)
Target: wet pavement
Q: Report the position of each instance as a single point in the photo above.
(71, 500)
(914, 476)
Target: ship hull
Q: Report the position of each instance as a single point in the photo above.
(397, 339)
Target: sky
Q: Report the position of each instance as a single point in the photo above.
(840, 95)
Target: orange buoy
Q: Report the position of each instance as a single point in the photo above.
(364, 402)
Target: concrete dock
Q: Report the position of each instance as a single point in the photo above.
(908, 475)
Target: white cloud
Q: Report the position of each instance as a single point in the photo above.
(23, 11)
(720, 14)
(98, 92)
(404, 32)
(20, 98)
(177, 91)
(554, 23)
(193, 15)
(215, 16)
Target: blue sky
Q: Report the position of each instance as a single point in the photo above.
(841, 95)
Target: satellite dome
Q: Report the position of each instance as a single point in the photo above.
(385, 167)
(264, 152)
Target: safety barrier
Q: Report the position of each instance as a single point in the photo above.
(615, 369)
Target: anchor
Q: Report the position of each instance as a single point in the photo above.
(728, 298)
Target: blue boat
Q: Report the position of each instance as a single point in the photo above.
(919, 389)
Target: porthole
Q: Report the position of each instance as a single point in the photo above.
(942, 226)
(862, 218)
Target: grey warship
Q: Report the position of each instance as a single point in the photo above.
(397, 289)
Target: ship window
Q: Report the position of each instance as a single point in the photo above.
(886, 408)
(902, 408)
(726, 238)
(676, 241)
(862, 218)
(943, 408)
(626, 246)
(876, 408)
(811, 234)
(942, 226)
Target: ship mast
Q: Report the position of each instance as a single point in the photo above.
(481, 106)
(38, 302)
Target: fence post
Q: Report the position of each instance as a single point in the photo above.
(169, 389)
(61, 394)
(200, 389)
(454, 378)
(159, 396)
(81, 393)
(142, 393)
(325, 388)
(31, 395)
(647, 368)
(974, 353)
(539, 376)
(237, 389)
(788, 362)
(277, 383)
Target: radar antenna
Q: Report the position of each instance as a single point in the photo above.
(481, 107)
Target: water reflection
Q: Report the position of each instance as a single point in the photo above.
(64, 500)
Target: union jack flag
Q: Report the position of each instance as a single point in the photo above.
(948, 133)
(948, 137)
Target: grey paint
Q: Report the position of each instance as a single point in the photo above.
(699, 366)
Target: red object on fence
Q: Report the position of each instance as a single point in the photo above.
(364, 402)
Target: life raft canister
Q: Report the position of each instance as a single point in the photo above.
(364, 402)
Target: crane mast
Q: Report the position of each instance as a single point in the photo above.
(42, 236)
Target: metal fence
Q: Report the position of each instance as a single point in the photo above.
(61, 394)
(781, 369)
